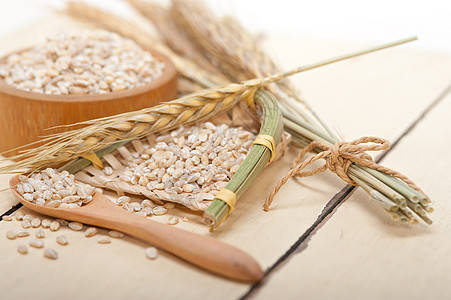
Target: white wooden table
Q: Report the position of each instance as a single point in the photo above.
(321, 238)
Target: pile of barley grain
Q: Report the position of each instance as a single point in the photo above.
(90, 62)
(191, 163)
(53, 189)
(40, 234)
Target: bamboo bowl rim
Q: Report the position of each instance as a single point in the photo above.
(169, 71)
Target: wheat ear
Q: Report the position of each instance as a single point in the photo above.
(233, 48)
(175, 39)
(96, 134)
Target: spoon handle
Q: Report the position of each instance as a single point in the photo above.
(202, 251)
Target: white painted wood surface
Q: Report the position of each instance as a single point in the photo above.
(381, 94)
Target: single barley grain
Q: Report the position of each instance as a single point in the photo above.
(25, 224)
(151, 253)
(159, 210)
(50, 253)
(103, 239)
(10, 234)
(22, 233)
(173, 220)
(147, 203)
(54, 225)
(45, 223)
(122, 200)
(62, 222)
(169, 205)
(28, 218)
(7, 218)
(36, 243)
(108, 170)
(53, 203)
(140, 213)
(188, 188)
(70, 199)
(40, 233)
(136, 206)
(116, 234)
(36, 222)
(76, 226)
(62, 240)
(22, 249)
(19, 215)
(91, 231)
(127, 207)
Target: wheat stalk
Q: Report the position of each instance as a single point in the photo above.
(99, 133)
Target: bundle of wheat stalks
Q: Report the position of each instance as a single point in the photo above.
(209, 52)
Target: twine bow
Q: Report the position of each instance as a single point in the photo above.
(338, 159)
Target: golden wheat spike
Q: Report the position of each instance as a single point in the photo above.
(102, 132)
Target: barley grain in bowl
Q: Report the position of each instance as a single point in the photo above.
(73, 77)
(89, 62)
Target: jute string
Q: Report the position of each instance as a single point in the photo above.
(338, 159)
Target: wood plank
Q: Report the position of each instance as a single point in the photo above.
(359, 253)
(101, 269)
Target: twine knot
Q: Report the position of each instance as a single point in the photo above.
(342, 154)
(338, 159)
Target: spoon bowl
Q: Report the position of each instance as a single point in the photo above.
(202, 251)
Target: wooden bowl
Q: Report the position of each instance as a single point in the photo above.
(26, 115)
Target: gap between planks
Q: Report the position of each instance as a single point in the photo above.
(333, 204)
(11, 210)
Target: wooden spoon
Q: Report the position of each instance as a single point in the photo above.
(202, 251)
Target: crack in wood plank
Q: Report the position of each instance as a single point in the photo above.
(333, 204)
(302, 242)
(409, 129)
(11, 210)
